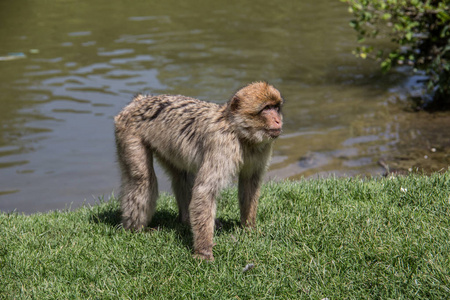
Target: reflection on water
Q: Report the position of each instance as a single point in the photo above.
(83, 61)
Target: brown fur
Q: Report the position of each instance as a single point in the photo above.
(202, 146)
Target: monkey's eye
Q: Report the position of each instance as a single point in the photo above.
(269, 107)
(275, 107)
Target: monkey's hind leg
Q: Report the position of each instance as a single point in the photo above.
(139, 184)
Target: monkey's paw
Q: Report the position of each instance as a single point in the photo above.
(204, 255)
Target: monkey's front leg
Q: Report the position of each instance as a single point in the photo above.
(214, 174)
(202, 211)
(249, 187)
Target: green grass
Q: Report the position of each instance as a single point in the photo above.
(335, 238)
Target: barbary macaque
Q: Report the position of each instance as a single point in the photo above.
(202, 146)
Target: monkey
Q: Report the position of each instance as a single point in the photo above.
(202, 146)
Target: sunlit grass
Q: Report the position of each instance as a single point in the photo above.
(335, 238)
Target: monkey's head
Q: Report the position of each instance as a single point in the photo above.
(255, 111)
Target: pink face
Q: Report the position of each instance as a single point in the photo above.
(273, 120)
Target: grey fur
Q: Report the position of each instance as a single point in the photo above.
(202, 146)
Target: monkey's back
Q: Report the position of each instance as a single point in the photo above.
(179, 128)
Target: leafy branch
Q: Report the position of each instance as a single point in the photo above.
(419, 29)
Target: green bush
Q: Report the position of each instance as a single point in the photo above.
(421, 34)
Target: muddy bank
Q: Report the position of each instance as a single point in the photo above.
(423, 144)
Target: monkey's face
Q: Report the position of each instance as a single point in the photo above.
(267, 120)
(273, 120)
(257, 112)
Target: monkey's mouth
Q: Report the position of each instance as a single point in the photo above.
(274, 133)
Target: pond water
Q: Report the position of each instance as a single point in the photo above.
(67, 67)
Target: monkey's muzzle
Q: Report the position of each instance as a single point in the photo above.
(274, 133)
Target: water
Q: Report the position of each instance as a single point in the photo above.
(79, 63)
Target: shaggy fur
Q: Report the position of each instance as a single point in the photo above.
(202, 146)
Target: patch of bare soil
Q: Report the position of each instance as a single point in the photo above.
(424, 144)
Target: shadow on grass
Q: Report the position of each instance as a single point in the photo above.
(162, 220)
(110, 217)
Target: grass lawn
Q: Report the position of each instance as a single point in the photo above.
(325, 238)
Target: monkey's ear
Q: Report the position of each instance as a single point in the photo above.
(234, 103)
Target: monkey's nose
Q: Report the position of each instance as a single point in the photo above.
(277, 121)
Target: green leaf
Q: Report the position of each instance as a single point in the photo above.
(386, 65)
(443, 16)
(408, 35)
(398, 27)
(447, 48)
